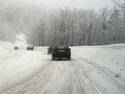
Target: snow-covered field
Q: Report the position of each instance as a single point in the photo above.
(92, 70)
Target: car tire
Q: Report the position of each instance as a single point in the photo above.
(69, 57)
(53, 57)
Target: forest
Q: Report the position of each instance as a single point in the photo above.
(63, 26)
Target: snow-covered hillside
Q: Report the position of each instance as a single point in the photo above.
(110, 60)
(92, 70)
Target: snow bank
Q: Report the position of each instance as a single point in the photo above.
(5, 48)
(3, 51)
(6, 45)
(111, 58)
(113, 46)
(17, 66)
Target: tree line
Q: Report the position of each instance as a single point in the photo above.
(75, 27)
(64, 26)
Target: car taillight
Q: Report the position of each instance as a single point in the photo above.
(54, 51)
(68, 51)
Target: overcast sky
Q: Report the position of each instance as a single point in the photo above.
(84, 4)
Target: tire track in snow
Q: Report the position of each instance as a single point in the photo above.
(60, 83)
(75, 80)
(78, 87)
(35, 84)
(17, 56)
(106, 75)
(87, 86)
(107, 72)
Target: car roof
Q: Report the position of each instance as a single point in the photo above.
(61, 47)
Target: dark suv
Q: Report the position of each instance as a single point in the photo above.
(30, 47)
(61, 53)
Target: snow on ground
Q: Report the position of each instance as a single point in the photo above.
(92, 70)
(5, 46)
(17, 66)
(6, 49)
(109, 60)
(110, 57)
(3, 51)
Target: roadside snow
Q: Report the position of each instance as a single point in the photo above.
(19, 66)
(110, 57)
(2, 51)
(93, 69)
(108, 60)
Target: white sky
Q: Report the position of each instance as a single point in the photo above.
(84, 4)
(87, 4)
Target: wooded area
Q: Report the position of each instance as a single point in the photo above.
(72, 27)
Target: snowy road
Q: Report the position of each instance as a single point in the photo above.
(58, 77)
(78, 76)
